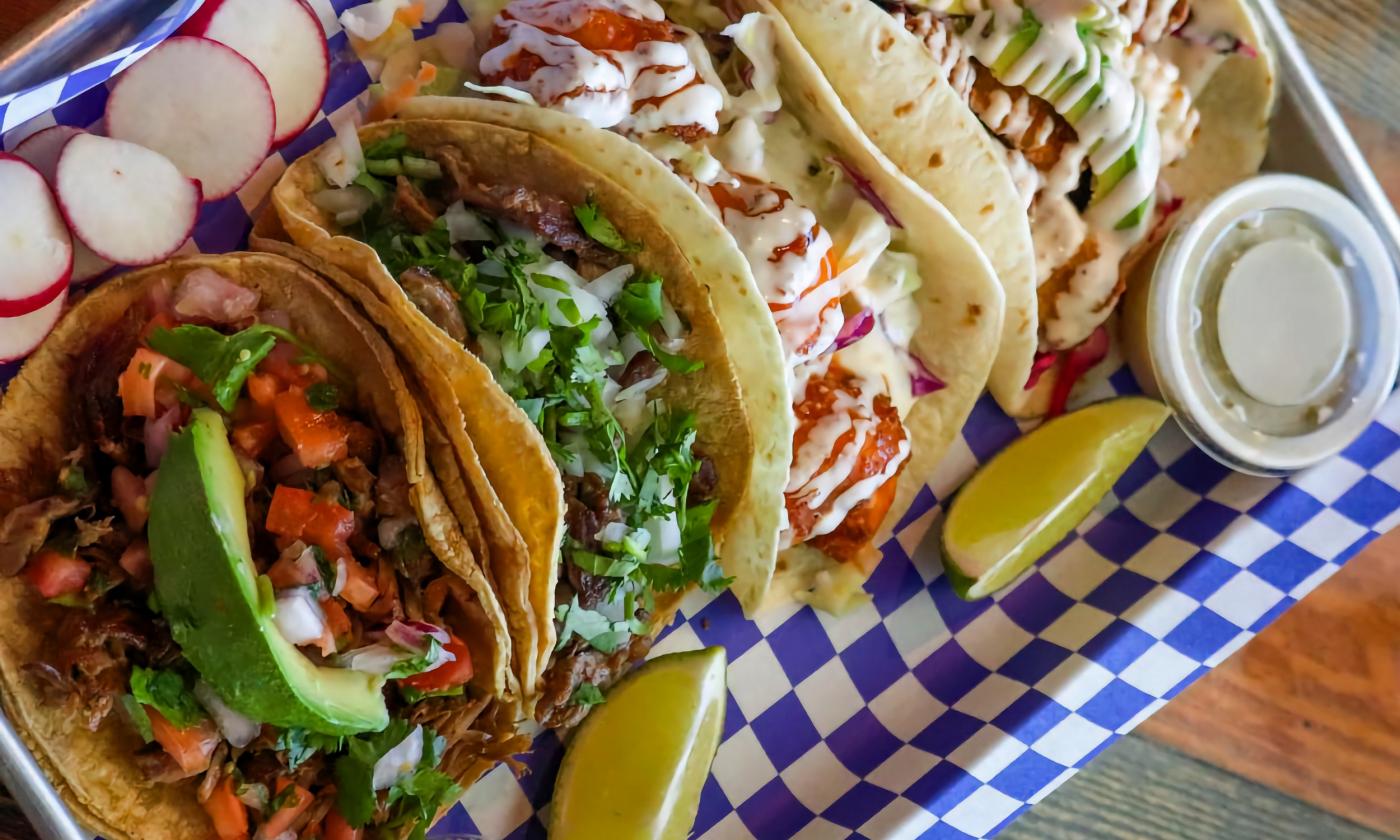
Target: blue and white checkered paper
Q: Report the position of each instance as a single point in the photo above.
(921, 715)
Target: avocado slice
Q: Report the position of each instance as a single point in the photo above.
(221, 611)
(1026, 35)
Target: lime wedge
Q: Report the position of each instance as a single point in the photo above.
(1021, 503)
(636, 765)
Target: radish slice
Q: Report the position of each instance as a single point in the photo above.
(42, 151)
(202, 105)
(129, 204)
(284, 40)
(20, 335)
(36, 247)
(42, 148)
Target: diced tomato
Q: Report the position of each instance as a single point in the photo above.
(138, 384)
(336, 618)
(282, 363)
(226, 812)
(361, 588)
(191, 747)
(287, 573)
(132, 497)
(296, 803)
(252, 438)
(298, 515)
(449, 674)
(161, 321)
(319, 438)
(136, 560)
(263, 388)
(336, 828)
(56, 575)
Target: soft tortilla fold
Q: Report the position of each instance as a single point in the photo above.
(94, 771)
(960, 304)
(900, 95)
(523, 476)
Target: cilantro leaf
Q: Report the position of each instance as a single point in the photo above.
(223, 362)
(390, 147)
(601, 230)
(639, 302)
(412, 695)
(355, 796)
(674, 362)
(139, 718)
(300, 744)
(323, 396)
(168, 693)
(417, 664)
(593, 627)
(587, 694)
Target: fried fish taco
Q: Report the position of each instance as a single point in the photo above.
(236, 602)
(888, 313)
(1064, 134)
(563, 293)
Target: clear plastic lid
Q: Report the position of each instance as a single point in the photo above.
(1274, 324)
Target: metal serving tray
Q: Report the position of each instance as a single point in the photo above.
(1310, 138)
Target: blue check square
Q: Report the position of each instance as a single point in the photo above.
(785, 731)
(1368, 501)
(801, 645)
(774, 813)
(857, 805)
(1205, 573)
(862, 743)
(1201, 634)
(1115, 705)
(1025, 776)
(1286, 508)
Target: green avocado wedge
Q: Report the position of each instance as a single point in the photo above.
(221, 611)
(1025, 500)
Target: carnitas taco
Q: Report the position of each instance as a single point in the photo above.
(887, 312)
(235, 600)
(550, 279)
(1065, 134)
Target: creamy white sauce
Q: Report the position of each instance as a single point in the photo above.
(1057, 231)
(652, 87)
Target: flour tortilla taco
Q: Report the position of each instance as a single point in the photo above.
(1066, 135)
(887, 312)
(236, 601)
(559, 290)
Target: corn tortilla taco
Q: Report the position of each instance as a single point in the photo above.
(236, 599)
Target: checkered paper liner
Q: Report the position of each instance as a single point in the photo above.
(18, 107)
(919, 714)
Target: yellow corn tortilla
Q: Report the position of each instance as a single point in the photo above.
(94, 771)
(523, 479)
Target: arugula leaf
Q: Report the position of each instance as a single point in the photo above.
(587, 694)
(600, 230)
(300, 744)
(168, 693)
(139, 718)
(323, 396)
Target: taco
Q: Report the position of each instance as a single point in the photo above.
(1065, 135)
(549, 279)
(236, 602)
(888, 313)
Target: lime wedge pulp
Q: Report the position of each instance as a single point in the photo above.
(635, 767)
(1021, 503)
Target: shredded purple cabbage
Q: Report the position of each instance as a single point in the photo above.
(857, 326)
(923, 380)
(866, 190)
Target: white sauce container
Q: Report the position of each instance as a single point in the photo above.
(1270, 322)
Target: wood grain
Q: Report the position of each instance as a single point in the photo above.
(16, 14)
(1140, 790)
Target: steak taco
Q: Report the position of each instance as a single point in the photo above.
(887, 312)
(236, 601)
(1065, 135)
(549, 279)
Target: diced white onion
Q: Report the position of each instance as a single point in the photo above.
(515, 94)
(606, 286)
(630, 404)
(465, 226)
(399, 761)
(238, 729)
(352, 199)
(671, 322)
(370, 20)
(665, 540)
(614, 532)
(343, 159)
(299, 617)
(518, 354)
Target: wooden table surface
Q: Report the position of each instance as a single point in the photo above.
(1298, 734)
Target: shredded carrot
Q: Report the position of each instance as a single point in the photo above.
(390, 103)
(411, 15)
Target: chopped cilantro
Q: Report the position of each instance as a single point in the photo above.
(639, 303)
(601, 230)
(222, 362)
(587, 694)
(73, 480)
(412, 695)
(168, 693)
(390, 147)
(300, 744)
(139, 718)
(323, 396)
(417, 664)
(413, 799)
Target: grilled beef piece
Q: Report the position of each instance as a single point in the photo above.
(582, 664)
(705, 481)
(549, 216)
(391, 493)
(95, 376)
(639, 367)
(415, 208)
(587, 509)
(358, 481)
(24, 530)
(436, 301)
